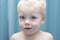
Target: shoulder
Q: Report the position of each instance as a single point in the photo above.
(16, 35)
(47, 35)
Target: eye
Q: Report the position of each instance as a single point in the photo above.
(33, 17)
(22, 17)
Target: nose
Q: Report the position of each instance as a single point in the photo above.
(27, 22)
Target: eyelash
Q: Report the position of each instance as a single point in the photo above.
(22, 17)
(33, 17)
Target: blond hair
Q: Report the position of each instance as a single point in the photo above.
(35, 4)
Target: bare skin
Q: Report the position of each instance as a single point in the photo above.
(37, 36)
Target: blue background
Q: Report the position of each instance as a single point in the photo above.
(9, 18)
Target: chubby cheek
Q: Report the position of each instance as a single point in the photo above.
(21, 24)
(36, 25)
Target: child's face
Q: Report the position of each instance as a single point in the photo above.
(29, 20)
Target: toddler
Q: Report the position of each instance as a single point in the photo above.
(31, 15)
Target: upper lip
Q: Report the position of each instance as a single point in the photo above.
(27, 27)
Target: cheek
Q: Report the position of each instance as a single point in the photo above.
(35, 27)
(21, 23)
(36, 24)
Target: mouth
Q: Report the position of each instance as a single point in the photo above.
(27, 28)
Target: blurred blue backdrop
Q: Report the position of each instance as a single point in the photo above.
(9, 18)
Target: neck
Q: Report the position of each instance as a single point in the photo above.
(32, 35)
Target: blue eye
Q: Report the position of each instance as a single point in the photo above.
(33, 17)
(22, 17)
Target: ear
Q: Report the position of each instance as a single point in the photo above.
(43, 20)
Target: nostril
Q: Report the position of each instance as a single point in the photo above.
(27, 24)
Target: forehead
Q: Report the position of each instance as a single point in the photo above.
(29, 8)
(29, 11)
